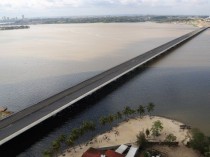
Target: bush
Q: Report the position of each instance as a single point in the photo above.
(200, 142)
(170, 138)
(141, 139)
(147, 154)
(47, 153)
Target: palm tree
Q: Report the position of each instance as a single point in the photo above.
(150, 108)
(118, 115)
(132, 111)
(69, 142)
(90, 125)
(141, 139)
(47, 153)
(141, 110)
(87, 126)
(102, 120)
(62, 138)
(56, 146)
(110, 119)
(127, 111)
(75, 133)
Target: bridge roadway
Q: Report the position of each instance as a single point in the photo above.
(22, 121)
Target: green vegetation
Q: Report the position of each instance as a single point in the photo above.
(110, 19)
(76, 133)
(200, 142)
(146, 154)
(47, 153)
(69, 140)
(150, 108)
(170, 138)
(118, 116)
(141, 110)
(128, 111)
(157, 127)
(141, 139)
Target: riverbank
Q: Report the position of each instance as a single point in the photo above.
(4, 113)
(126, 132)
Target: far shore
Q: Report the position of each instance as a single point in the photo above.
(127, 132)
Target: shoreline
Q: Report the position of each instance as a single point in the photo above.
(4, 113)
(4, 28)
(135, 125)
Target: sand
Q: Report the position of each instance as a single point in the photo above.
(127, 134)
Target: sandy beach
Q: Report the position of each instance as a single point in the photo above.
(126, 132)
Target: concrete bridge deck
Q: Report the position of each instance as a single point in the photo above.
(31, 116)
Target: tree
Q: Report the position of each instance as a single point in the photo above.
(56, 146)
(128, 111)
(207, 152)
(47, 153)
(141, 140)
(61, 138)
(199, 141)
(157, 127)
(146, 154)
(91, 126)
(147, 132)
(170, 138)
(132, 111)
(102, 120)
(70, 142)
(87, 126)
(110, 119)
(141, 110)
(75, 134)
(150, 108)
(118, 116)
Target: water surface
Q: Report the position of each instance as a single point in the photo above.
(39, 62)
(46, 59)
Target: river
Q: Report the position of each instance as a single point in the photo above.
(46, 59)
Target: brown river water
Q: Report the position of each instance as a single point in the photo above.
(41, 61)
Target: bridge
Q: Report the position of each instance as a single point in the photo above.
(22, 121)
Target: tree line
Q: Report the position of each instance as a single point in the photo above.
(87, 126)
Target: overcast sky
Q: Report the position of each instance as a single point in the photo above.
(51, 8)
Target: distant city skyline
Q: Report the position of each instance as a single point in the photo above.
(58, 8)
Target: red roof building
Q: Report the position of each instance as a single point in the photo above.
(91, 152)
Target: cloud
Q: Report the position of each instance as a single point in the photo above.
(37, 4)
(15, 4)
(75, 7)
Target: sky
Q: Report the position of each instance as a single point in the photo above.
(60, 8)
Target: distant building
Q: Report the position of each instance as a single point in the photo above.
(23, 17)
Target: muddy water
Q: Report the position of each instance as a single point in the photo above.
(41, 61)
